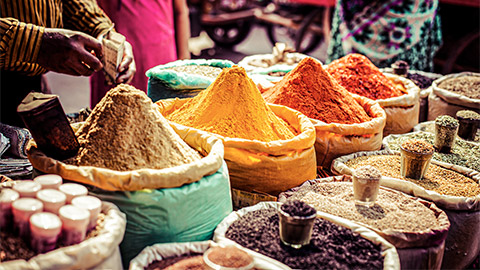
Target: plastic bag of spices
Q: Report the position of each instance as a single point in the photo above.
(163, 252)
(267, 167)
(463, 95)
(418, 247)
(98, 252)
(462, 245)
(183, 78)
(388, 251)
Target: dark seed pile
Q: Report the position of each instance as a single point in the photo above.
(162, 264)
(421, 81)
(296, 208)
(331, 246)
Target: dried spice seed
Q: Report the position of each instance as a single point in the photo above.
(207, 71)
(467, 114)
(392, 210)
(170, 261)
(446, 121)
(298, 209)
(441, 180)
(417, 146)
(421, 81)
(468, 86)
(331, 246)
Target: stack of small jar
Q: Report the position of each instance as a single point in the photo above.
(45, 212)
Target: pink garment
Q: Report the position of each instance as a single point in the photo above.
(149, 26)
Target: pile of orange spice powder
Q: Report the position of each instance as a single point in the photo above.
(233, 107)
(309, 89)
(359, 75)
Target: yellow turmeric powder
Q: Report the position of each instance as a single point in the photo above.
(233, 107)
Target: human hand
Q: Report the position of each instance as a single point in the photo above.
(70, 52)
(127, 67)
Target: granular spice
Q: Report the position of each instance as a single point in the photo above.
(430, 127)
(441, 180)
(359, 75)
(446, 121)
(126, 132)
(467, 114)
(392, 210)
(423, 82)
(207, 71)
(229, 256)
(468, 86)
(417, 146)
(233, 107)
(193, 263)
(162, 264)
(309, 89)
(298, 209)
(331, 246)
(463, 153)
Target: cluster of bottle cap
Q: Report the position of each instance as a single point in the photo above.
(45, 212)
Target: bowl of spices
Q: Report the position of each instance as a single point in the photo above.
(296, 223)
(415, 158)
(228, 258)
(469, 121)
(446, 128)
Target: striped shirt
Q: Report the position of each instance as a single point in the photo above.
(22, 23)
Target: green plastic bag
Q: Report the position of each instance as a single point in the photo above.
(184, 214)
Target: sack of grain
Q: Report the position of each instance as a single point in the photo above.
(334, 139)
(447, 102)
(419, 237)
(98, 252)
(159, 252)
(462, 245)
(183, 78)
(388, 251)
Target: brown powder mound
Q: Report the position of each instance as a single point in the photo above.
(359, 75)
(233, 107)
(126, 132)
(309, 89)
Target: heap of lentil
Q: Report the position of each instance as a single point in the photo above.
(468, 86)
(331, 246)
(233, 107)
(418, 146)
(463, 153)
(126, 132)
(309, 89)
(441, 180)
(359, 75)
(392, 210)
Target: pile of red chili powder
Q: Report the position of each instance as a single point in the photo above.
(359, 75)
(308, 88)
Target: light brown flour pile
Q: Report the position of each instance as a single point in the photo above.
(126, 132)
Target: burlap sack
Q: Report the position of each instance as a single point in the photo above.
(334, 140)
(269, 167)
(389, 252)
(99, 252)
(112, 180)
(462, 245)
(443, 102)
(403, 111)
(158, 252)
(416, 250)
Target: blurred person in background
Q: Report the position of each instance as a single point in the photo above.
(35, 37)
(158, 31)
(386, 31)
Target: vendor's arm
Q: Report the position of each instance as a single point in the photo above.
(182, 28)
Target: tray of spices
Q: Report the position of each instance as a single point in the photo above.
(335, 242)
(407, 222)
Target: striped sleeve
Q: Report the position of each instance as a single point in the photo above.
(19, 46)
(85, 16)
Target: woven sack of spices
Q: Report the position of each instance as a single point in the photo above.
(166, 251)
(183, 78)
(268, 148)
(389, 253)
(462, 245)
(99, 252)
(421, 248)
(445, 102)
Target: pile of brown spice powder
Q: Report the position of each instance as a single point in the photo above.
(126, 132)
(359, 75)
(308, 88)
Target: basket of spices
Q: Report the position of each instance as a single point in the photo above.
(268, 147)
(130, 155)
(201, 255)
(183, 78)
(398, 96)
(416, 227)
(35, 236)
(454, 189)
(335, 243)
(344, 123)
(454, 92)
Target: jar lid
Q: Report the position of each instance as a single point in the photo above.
(48, 180)
(72, 212)
(87, 202)
(27, 187)
(46, 221)
(73, 189)
(51, 196)
(28, 205)
(8, 195)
